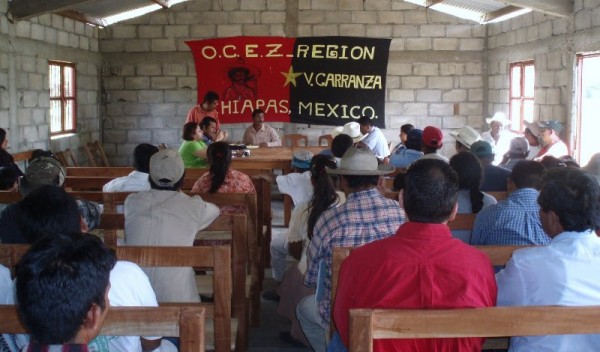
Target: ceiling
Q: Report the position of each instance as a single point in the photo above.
(106, 12)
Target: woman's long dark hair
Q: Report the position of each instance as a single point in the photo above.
(470, 174)
(5, 157)
(324, 190)
(219, 159)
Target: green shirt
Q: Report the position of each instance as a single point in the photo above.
(187, 150)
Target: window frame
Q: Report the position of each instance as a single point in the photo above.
(579, 58)
(63, 98)
(522, 98)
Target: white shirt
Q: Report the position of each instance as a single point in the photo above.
(503, 144)
(129, 286)
(563, 273)
(168, 218)
(556, 150)
(6, 286)
(377, 143)
(297, 185)
(134, 182)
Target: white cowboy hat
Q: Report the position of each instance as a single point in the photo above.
(360, 162)
(351, 128)
(466, 135)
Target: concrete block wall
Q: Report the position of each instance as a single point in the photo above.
(25, 48)
(435, 71)
(547, 41)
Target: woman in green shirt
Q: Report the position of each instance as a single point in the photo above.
(193, 149)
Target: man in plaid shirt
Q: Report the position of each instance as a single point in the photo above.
(366, 216)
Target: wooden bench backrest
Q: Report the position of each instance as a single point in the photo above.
(186, 322)
(369, 324)
(216, 258)
(22, 156)
(462, 222)
(498, 255)
(118, 171)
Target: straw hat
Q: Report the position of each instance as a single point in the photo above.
(351, 128)
(498, 117)
(360, 162)
(466, 136)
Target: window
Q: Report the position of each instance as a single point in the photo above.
(588, 105)
(63, 97)
(522, 83)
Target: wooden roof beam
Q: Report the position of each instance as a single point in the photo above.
(77, 16)
(23, 9)
(430, 3)
(490, 16)
(163, 3)
(560, 8)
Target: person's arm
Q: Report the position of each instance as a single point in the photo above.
(511, 284)
(295, 249)
(201, 153)
(247, 138)
(274, 140)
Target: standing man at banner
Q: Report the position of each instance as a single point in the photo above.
(208, 107)
(374, 138)
(259, 133)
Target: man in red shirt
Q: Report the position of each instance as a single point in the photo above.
(422, 266)
(208, 107)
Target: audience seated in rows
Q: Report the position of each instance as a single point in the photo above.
(563, 273)
(432, 142)
(516, 219)
(402, 157)
(518, 150)
(298, 186)
(494, 177)
(7, 160)
(404, 129)
(300, 232)
(137, 180)
(499, 136)
(470, 198)
(40, 172)
(421, 266)
(552, 144)
(465, 137)
(164, 216)
(365, 217)
(50, 210)
(220, 178)
(62, 287)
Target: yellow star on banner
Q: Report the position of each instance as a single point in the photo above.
(290, 76)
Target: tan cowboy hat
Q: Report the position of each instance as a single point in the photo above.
(360, 162)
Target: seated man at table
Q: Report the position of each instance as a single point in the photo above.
(62, 289)
(259, 133)
(421, 266)
(564, 272)
(137, 180)
(164, 216)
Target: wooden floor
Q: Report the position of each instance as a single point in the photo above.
(265, 337)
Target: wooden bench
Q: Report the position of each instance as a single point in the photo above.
(368, 324)
(498, 255)
(22, 156)
(216, 258)
(186, 322)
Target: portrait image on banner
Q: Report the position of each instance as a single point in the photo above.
(312, 80)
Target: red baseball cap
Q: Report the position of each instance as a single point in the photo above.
(433, 137)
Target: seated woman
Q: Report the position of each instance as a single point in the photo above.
(220, 178)
(303, 220)
(193, 149)
(470, 199)
(7, 160)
